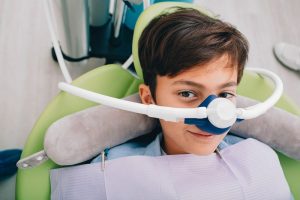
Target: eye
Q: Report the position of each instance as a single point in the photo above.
(187, 94)
(226, 95)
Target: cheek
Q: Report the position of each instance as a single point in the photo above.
(234, 101)
(172, 128)
(165, 99)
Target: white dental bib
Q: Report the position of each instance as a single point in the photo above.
(246, 170)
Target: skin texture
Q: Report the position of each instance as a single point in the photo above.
(187, 90)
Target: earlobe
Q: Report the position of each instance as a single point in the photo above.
(145, 94)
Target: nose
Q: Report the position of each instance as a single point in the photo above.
(216, 114)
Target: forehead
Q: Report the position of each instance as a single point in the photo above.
(216, 72)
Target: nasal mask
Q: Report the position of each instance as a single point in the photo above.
(214, 115)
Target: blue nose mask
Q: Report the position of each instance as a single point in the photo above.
(205, 124)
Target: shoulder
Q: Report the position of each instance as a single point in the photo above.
(250, 148)
(229, 140)
(251, 143)
(261, 147)
(137, 146)
(257, 166)
(256, 149)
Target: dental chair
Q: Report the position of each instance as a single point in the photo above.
(115, 81)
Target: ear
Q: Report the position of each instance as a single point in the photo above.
(145, 94)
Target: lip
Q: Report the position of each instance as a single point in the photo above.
(200, 134)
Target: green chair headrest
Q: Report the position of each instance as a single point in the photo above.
(145, 18)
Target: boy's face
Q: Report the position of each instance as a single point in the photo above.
(187, 90)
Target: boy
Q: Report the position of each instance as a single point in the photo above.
(186, 56)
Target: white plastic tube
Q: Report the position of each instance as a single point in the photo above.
(54, 40)
(128, 62)
(258, 109)
(118, 16)
(147, 3)
(177, 114)
(162, 112)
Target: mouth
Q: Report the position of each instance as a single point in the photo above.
(201, 134)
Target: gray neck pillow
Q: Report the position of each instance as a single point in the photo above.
(83, 135)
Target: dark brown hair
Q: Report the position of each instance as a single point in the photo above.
(172, 43)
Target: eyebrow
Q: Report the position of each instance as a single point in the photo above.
(201, 86)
